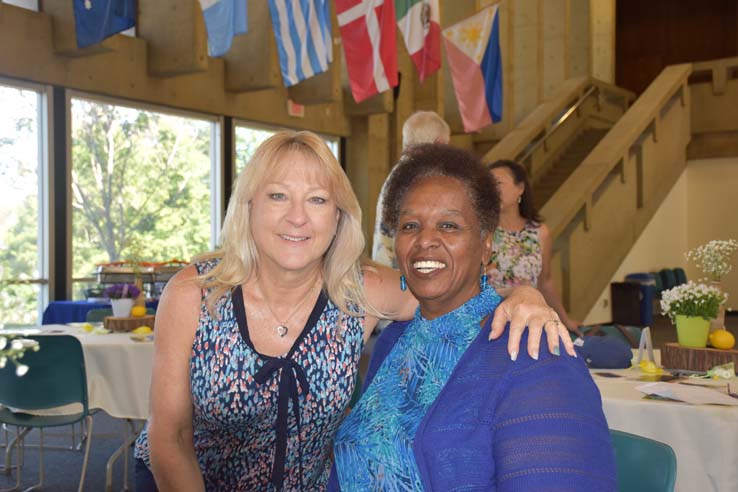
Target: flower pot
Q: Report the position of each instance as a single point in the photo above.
(121, 307)
(692, 331)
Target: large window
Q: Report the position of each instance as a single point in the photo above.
(142, 187)
(23, 242)
(249, 136)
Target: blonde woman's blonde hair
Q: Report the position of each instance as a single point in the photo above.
(238, 254)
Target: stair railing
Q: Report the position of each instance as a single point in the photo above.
(545, 133)
(599, 212)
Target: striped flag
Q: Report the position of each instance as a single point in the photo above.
(223, 20)
(418, 21)
(369, 38)
(304, 40)
(95, 20)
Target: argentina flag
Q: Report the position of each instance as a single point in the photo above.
(223, 20)
(302, 29)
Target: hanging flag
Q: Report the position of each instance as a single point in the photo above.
(369, 39)
(473, 53)
(96, 20)
(223, 20)
(304, 40)
(418, 21)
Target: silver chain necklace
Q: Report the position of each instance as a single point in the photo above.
(282, 329)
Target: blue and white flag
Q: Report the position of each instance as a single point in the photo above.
(96, 20)
(304, 41)
(223, 20)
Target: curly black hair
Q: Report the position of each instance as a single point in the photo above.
(430, 160)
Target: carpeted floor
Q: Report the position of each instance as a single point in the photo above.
(63, 467)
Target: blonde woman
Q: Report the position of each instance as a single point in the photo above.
(257, 344)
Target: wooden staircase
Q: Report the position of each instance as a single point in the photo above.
(546, 185)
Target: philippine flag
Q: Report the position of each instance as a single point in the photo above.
(473, 53)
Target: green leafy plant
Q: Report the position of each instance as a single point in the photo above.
(692, 299)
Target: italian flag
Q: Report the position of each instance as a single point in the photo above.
(369, 40)
(419, 23)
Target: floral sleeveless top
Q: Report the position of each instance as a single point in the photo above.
(516, 256)
(266, 423)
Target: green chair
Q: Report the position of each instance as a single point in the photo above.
(96, 315)
(100, 314)
(643, 464)
(56, 377)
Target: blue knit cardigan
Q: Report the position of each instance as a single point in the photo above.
(499, 425)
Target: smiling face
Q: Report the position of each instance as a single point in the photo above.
(439, 245)
(293, 217)
(509, 191)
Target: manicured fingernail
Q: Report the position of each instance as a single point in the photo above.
(514, 356)
(556, 350)
(535, 356)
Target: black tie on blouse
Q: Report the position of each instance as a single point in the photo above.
(290, 375)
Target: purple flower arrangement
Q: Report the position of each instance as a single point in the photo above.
(122, 291)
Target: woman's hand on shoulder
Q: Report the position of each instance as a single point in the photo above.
(525, 306)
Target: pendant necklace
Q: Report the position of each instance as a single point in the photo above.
(282, 329)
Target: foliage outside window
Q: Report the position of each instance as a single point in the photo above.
(249, 137)
(141, 185)
(22, 277)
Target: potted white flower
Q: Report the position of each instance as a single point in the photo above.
(713, 259)
(691, 306)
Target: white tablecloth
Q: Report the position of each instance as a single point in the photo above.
(704, 437)
(118, 370)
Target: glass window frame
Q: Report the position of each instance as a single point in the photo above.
(216, 162)
(44, 242)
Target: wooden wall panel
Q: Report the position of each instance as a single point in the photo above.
(654, 34)
(552, 42)
(177, 46)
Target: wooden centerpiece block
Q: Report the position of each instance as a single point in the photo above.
(675, 356)
(128, 324)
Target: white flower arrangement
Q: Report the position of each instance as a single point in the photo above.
(12, 349)
(692, 299)
(713, 258)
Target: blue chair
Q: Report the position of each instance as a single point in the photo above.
(56, 377)
(643, 464)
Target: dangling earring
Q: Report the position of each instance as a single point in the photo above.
(520, 198)
(483, 279)
(403, 283)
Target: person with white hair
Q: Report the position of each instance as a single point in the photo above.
(420, 128)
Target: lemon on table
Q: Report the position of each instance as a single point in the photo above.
(138, 311)
(722, 339)
(143, 330)
(88, 327)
